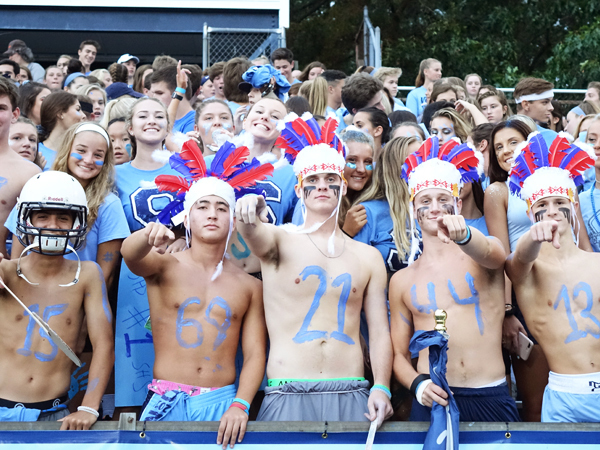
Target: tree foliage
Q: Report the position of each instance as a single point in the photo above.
(557, 39)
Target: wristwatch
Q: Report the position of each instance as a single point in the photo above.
(509, 309)
(176, 96)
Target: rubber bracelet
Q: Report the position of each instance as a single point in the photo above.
(180, 90)
(382, 388)
(467, 239)
(87, 409)
(238, 405)
(420, 389)
(416, 382)
(242, 402)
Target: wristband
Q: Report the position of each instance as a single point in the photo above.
(421, 389)
(242, 407)
(467, 239)
(180, 90)
(382, 388)
(509, 310)
(242, 402)
(416, 382)
(88, 410)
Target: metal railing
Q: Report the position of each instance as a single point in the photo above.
(556, 91)
(371, 42)
(222, 44)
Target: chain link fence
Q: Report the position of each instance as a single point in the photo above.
(222, 44)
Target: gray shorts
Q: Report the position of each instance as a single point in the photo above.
(319, 401)
(53, 416)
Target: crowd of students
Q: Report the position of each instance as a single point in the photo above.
(144, 158)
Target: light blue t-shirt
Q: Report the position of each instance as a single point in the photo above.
(47, 153)
(141, 199)
(416, 101)
(479, 224)
(399, 106)
(548, 135)
(378, 232)
(186, 123)
(110, 224)
(591, 215)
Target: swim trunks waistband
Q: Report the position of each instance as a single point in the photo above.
(281, 381)
(493, 384)
(161, 386)
(585, 383)
(47, 404)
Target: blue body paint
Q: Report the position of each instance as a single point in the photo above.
(405, 320)
(92, 385)
(472, 300)
(77, 156)
(105, 304)
(128, 149)
(78, 382)
(344, 280)
(3, 182)
(431, 306)
(99, 163)
(181, 322)
(303, 334)
(207, 358)
(350, 165)
(577, 334)
(49, 311)
(223, 327)
(237, 254)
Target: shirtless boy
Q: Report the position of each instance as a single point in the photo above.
(557, 287)
(315, 286)
(460, 271)
(14, 169)
(34, 374)
(200, 304)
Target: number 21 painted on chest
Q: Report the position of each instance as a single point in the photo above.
(344, 280)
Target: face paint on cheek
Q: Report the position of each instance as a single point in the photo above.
(447, 209)
(351, 165)
(308, 190)
(128, 149)
(566, 212)
(77, 156)
(336, 190)
(369, 167)
(422, 213)
(206, 127)
(227, 126)
(540, 215)
(99, 163)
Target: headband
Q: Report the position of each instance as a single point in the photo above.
(533, 97)
(577, 110)
(71, 77)
(95, 128)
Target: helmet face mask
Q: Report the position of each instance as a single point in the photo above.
(51, 241)
(52, 192)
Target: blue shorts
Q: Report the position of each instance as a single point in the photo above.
(485, 404)
(49, 410)
(176, 406)
(572, 398)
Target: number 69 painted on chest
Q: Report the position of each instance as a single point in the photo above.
(221, 328)
(344, 280)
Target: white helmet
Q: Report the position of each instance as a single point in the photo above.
(57, 191)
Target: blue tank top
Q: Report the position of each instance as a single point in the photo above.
(517, 218)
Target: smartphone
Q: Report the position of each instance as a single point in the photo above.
(525, 346)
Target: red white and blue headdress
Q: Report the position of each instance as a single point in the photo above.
(433, 167)
(229, 177)
(538, 171)
(312, 150)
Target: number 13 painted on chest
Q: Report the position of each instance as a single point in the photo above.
(344, 280)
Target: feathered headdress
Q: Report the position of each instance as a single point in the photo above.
(446, 168)
(322, 151)
(229, 177)
(312, 150)
(538, 171)
(432, 167)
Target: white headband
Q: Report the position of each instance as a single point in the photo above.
(95, 128)
(533, 97)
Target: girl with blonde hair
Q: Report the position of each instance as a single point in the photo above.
(448, 123)
(98, 97)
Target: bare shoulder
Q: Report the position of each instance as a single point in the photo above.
(241, 278)
(497, 191)
(400, 280)
(365, 252)
(90, 271)
(20, 167)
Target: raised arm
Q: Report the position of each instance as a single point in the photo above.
(485, 251)
(380, 345)
(520, 263)
(251, 214)
(136, 249)
(402, 331)
(99, 323)
(254, 348)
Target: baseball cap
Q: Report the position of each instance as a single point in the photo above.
(127, 57)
